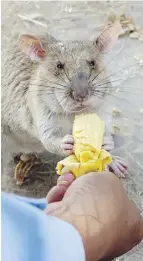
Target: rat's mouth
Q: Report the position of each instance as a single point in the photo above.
(77, 109)
(80, 106)
(73, 107)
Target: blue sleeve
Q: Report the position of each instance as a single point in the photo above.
(30, 235)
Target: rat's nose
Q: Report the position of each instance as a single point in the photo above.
(79, 87)
(79, 97)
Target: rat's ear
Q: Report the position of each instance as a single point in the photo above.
(108, 37)
(32, 47)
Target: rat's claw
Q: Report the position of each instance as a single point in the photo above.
(108, 143)
(67, 144)
(119, 167)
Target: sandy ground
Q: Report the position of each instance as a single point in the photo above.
(79, 20)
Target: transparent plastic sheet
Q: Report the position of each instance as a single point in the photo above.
(71, 20)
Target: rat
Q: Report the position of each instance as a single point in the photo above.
(45, 83)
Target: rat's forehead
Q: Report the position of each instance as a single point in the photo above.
(74, 49)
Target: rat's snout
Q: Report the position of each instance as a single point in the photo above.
(80, 87)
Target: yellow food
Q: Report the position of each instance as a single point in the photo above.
(88, 133)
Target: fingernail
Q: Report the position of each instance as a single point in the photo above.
(68, 177)
(62, 182)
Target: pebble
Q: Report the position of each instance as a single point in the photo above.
(116, 112)
(141, 110)
(134, 35)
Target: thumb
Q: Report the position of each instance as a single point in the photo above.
(57, 192)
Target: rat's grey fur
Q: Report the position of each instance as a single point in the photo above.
(37, 109)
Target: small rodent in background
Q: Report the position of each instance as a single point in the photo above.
(44, 84)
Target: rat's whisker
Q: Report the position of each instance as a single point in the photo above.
(111, 94)
(46, 80)
(120, 91)
(106, 65)
(58, 76)
(67, 74)
(109, 81)
(46, 85)
(49, 70)
(42, 85)
(112, 74)
(41, 90)
(64, 100)
(115, 88)
(41, 94)
(110, 61)
(108, 95)
(45, 91)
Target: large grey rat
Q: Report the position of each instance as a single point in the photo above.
(44, 84)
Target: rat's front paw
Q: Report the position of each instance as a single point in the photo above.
(67, 144)
(108, 143)
(119, 167)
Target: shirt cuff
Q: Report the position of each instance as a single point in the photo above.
(29, 234)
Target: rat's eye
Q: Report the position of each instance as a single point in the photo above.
(60, 65)
(91, 63)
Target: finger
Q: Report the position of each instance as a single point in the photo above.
(67, 177)
(57, 192)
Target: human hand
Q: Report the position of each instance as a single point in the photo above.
(98, 207)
